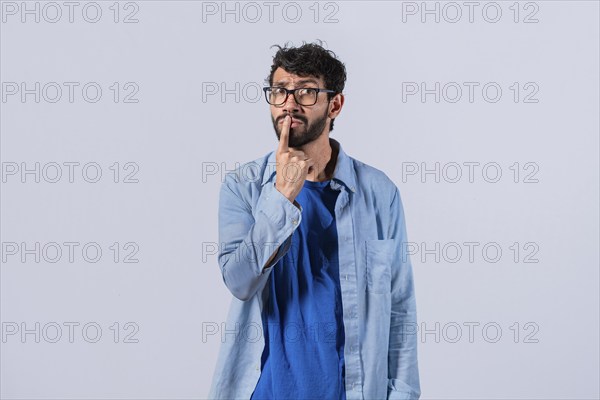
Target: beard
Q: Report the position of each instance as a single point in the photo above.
(303, 134)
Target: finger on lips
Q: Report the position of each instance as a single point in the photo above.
(283, 138)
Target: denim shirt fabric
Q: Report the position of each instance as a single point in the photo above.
(376, 278)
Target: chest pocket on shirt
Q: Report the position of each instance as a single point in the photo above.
(378, 265)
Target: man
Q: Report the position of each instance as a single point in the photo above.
(313, 252)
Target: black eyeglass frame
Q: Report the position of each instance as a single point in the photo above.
(293, 92)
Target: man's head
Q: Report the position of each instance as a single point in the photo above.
(308, 66)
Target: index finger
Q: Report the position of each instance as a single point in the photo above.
(285, 133)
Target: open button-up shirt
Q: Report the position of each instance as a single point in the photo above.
(376, 278)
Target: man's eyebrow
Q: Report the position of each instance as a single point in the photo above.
(300, 82)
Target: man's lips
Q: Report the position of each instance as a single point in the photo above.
(294, 121)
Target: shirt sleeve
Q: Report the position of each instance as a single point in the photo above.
(249, 236)
(403, 378)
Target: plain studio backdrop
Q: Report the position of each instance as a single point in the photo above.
(120, 119)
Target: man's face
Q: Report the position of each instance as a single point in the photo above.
(308, 122)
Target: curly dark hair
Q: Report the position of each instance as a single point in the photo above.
(314, 60)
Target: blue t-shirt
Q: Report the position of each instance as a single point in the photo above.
(302, 321)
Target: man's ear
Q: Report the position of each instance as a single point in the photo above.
(335, 105)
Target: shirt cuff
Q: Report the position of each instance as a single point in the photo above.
(278, 208)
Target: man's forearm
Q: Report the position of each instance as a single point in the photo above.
(253, 240)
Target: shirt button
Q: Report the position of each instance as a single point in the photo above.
(295, 221)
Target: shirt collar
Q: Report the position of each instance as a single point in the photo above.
(343, 173)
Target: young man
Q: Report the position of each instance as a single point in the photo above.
(313, 252)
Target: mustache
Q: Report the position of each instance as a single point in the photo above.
(295, 116)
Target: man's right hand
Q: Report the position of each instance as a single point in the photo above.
(292, 165)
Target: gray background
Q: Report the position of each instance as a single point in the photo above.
(543, 298)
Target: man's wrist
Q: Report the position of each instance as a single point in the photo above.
(294, 202)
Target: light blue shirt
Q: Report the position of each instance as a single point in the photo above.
(376, 278)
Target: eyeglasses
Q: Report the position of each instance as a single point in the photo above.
(277, 96)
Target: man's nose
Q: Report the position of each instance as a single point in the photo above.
(290, 104)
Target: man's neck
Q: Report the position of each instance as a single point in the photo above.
(325, 157)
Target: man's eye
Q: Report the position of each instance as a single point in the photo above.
(305, 91)
(277, 91)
